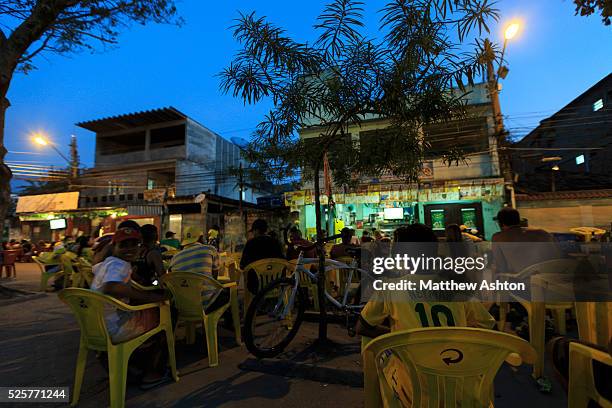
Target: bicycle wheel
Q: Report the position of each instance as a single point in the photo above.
(272, 321)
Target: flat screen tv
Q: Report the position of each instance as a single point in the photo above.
(394, 214)
(59, 223)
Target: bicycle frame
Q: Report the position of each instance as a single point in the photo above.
(330, 264)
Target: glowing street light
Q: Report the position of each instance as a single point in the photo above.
(511, 31)
(40, 140)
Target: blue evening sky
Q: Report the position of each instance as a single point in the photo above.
(555, 58)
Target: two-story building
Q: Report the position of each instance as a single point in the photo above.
(469, 193)
(163, 167)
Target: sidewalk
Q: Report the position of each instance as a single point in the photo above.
(39, 342)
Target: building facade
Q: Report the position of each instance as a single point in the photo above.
(164, 168)
(469, 193)
(572, 149)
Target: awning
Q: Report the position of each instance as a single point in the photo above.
(48, 203)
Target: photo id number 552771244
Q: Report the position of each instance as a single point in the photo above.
(34, 394)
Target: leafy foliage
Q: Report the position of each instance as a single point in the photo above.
(588, 7)
(63, 26)
(344, 79)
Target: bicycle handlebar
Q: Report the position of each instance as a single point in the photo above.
(314, 244)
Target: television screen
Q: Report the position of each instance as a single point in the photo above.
(59, 223)
(394, 214)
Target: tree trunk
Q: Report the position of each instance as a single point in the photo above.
(321, 252)
(5, 172)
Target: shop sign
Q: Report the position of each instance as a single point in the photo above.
(48, 203)
(427, 171)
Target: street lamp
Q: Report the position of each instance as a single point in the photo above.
(509, 33)
(553, 184)
(492, 80)
(41, 140)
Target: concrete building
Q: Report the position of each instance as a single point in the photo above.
(164, 165)
(469, 193)
(572, 149)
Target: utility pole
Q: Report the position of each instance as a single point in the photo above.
(74, 158)
(241, 189)
(500, 135)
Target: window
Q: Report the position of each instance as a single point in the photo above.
(167, 137)
(119, 144)
(150, 184)
(598, 105)
(580, 159)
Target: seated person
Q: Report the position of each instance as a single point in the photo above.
(149, 265)
(102, 247)
(261, 245)
(385, 313)
(112, 277)
(365, 237)
(298, 244)
(52, 262)
(509, 255)
(213, 237)
(340, 250)
(170, 240)
(200, 258)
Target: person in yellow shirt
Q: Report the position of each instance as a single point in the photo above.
(386, 312)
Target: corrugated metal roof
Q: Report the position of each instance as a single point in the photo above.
(565, 195)
(132, 120)
(145, 209)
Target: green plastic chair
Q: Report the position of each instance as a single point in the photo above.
(582, 388)
(186, 289)
(444, 366)
(88, 308)
(267, 270)
(82, 276)
(44, 275)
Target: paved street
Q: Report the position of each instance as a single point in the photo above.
(39, 342)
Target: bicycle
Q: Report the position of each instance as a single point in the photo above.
(276, 312)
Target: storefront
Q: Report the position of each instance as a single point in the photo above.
(473, 203)
(50, 217)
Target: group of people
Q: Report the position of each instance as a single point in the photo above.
(133, 253)
(384, 313)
